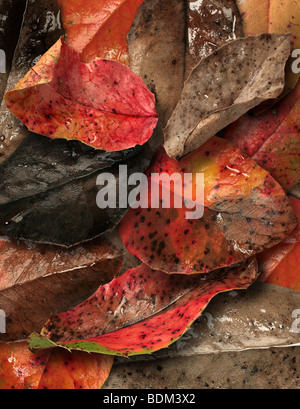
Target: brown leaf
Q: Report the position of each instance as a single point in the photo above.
(168, 38)
(238, 76)
(45, 279)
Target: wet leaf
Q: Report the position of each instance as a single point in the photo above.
(139, 312)
(102, 104)
(272, 139)
(44, 279)
(280, 265)
(100, 29)
(274, 16)
(168, 38)
(40, 29)
(238, 76)
(55, 369)
(49, 190)
(245, 212)
(20, 368)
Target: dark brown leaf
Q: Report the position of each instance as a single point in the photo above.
(42, 280)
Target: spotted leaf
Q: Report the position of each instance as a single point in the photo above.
(245, 212)
(274, 16)
(139, 312)
(102, 104)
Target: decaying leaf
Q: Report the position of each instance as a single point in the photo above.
(102, 104)
(238, 76)
(38, 280)
(272, 139)
(245, 212)
(168, 38)
(49, 189)
(55, 369)
(101, 27)
(275, 16)
(41, 28)
(139, 312)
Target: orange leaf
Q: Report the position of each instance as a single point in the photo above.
(51, 369)
(20, 368)
(99, 28)
(76, 370)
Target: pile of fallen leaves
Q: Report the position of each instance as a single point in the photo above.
(160, 86)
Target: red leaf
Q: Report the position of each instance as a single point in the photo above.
(102, 104)
(245, 212)
(98, 28)
(281, 264)
(53, 369)
(272, 139)
(140, 312)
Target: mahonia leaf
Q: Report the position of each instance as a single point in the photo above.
(245, 212)
(139, 312)
(102, 104)
(238, 76)
(272, 138)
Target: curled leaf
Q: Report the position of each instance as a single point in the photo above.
(245, 212)
(238, 76)
(102, 104)
(139, 312)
